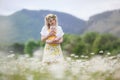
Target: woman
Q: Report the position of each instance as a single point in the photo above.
(52, 35)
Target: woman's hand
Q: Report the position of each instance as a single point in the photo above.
(44, 38)
(51, 33)
(52, 42)
(49, 41)
(57, 40)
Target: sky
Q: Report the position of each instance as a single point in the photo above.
(82, 9)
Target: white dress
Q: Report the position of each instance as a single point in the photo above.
(52, 53)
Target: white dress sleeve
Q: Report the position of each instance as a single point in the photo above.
(60, 32)
(44, 31)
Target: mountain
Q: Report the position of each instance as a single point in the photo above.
(26, 24)
(106, 22)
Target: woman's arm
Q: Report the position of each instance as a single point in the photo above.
(61, 40)
(58, 41)
(44, 38)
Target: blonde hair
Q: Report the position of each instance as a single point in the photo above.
(48, 18)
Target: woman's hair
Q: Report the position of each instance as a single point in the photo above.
(48, 18)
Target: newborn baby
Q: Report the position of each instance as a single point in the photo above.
(53, 37)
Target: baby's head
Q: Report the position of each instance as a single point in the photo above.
(53, 28)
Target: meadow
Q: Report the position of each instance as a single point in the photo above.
(24, 67)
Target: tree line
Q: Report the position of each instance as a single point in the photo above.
(85, 44)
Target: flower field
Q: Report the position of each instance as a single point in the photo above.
(23, 67)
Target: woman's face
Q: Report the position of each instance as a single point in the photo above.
(52, 22)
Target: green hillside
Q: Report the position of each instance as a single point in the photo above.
(26, 24)
(107, 22)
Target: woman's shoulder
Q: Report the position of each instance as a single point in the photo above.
(44, 28)
(59, 27)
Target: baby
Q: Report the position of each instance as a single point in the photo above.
(53, 37)
(52, 29)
